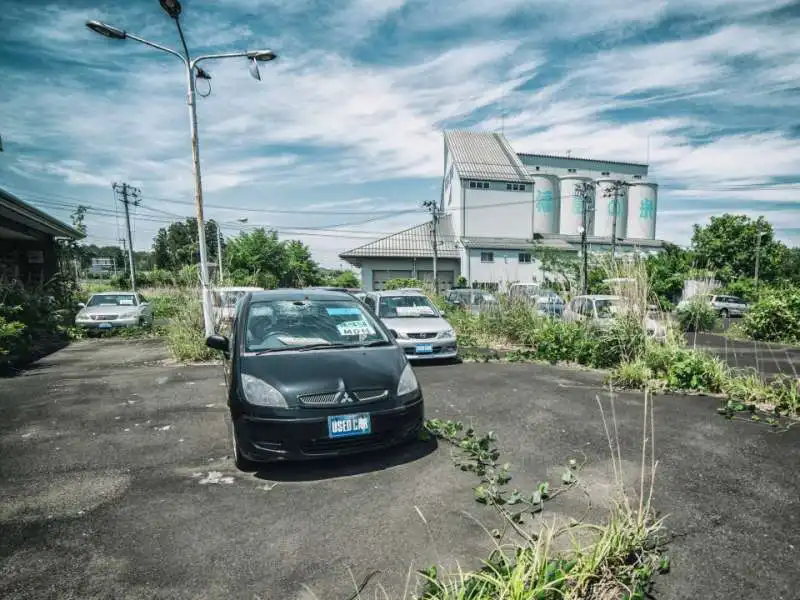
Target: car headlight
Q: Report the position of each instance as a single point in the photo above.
(260, 393)
(447, 333)
(82, 316)
(408, 382)
(402, 335)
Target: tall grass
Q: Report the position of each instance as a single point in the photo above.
(185, 334)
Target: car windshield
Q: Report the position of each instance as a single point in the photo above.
(607, 308)
(112, 300)
(286, 325)
(406, 306)
(549, 296)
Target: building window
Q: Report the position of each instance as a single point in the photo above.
(487, 257)
(472, 184)
(605, 173)
(486, 185)
(525, 257)
(508, 186)
(521, 187)
(537, 168)
(572, 170)
(637, 176)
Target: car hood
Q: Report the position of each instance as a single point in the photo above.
(417, 324)
(321, 371)
(109, 310)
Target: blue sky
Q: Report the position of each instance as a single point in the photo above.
(341, 140)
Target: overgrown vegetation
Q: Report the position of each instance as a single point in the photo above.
(185, 333)
(33, 318)
(697, 315)
(619, 561)
(775, 317)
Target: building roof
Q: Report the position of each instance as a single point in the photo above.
(30, 218)
(496, 243)
(479, 155)
(415, 242)
(530, 155)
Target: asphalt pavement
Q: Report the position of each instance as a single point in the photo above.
(116, 482)
(769, 359)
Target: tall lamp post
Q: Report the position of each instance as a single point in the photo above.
(193, 71)
(759, 235)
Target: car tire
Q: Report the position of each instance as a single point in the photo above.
(724, 313)
(241, 463)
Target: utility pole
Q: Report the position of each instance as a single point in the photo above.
(219, 253)
(128, 195)
(758, 256)
(434, 210)
(616, 187)
(586, 192)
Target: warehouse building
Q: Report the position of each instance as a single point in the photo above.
(497, 205)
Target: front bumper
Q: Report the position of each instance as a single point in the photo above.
(269, 439)
(439, 348)
(106, 325)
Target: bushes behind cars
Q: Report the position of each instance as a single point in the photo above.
(698, 316)
(775, 317)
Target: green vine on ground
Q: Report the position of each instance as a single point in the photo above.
(478, 454)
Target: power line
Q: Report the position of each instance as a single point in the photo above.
(128, 195)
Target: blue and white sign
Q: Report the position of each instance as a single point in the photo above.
(340, 426)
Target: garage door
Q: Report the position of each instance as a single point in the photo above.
(446, 278)
(379, 278)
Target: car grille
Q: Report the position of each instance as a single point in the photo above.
(422, 336)
(104, 317)
(332, 398)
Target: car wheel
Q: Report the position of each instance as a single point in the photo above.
(724, 313)
(243, 464)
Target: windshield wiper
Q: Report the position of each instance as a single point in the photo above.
(375, 343)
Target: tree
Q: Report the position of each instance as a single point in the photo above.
(260, 257)
(177, 246)
(667, 271)
(346, 279)
(727, 246)
(560, 268)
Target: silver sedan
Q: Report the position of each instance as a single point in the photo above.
(114, 310)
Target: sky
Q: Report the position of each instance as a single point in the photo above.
(340, 142)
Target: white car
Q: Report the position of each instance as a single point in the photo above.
(224, 300)
(113, 310)
(601, 310)
(418, 326)
(726, 306)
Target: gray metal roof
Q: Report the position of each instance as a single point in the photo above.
(485, 156)
(416, 242)
(530, 155)
(496, 243)
(22, 212)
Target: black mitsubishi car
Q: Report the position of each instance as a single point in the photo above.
(311, 373)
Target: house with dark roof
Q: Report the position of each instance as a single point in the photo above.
(497, 205)
(28, 241)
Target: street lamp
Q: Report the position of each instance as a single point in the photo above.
(759, 235)
(173, 9)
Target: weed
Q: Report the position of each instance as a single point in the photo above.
(185, 333)
(633, 374)
(697, 371)
(698, 315)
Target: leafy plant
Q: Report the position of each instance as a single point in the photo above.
(698, 315)
(775, 317)
(695, 370)
(631, 374)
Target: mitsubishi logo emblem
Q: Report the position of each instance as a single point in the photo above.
(342, 397)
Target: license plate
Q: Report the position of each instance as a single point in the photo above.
(424, 348)
(340, 426)
(105, 326)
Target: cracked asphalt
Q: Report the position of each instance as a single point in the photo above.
(116, 482)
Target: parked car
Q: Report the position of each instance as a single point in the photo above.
(110, 310)
(470, 299)
(524, 290)
(312, 374)
(601, 310)
(548, 303)
(726, 306)
(421, 330)
(224, 299)
(356, 292)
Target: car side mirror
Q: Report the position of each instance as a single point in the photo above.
(218, 342)
(81, 305)
(393, 332)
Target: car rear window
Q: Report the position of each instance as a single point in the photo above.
(285, 323)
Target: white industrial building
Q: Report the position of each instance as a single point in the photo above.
(497, 205)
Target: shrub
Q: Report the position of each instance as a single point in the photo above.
(623, 341)
(775, 317)
(11, 336)
(697, 316)
(633, 374)
(396, 284)
(185, 332)
(694, 370)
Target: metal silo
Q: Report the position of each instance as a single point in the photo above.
(547, 201)
(604, 210)
(572, 206)
(642, 204)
